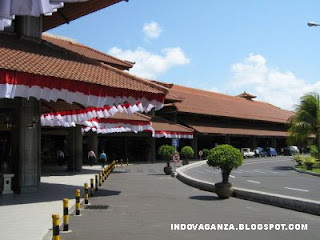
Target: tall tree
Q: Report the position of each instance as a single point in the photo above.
(306, 121)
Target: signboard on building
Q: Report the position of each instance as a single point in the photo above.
(175, 142)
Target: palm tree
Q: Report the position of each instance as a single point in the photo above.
(306, 120)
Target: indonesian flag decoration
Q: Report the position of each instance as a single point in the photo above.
(167, 134)
(106, 101)
(104, 126)
(72, 117)
(10, 8)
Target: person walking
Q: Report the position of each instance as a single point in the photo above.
(91, 157)
(103, 158)
(60, 156)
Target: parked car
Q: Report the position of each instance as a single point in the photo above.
(291, 150)
(259, 152)
(247, 152)
(271, 152)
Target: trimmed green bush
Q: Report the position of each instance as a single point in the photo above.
(298, 158)
(226, 158)
(166, 151)
(313, 150)
(309, 161)
(187, 152)
(205, 152)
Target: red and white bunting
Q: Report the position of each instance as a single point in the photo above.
(167, 134)
(10, 8)
(16, 84)
(66, 118)
(109, 128)
(104, 126)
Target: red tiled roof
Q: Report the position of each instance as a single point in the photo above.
(135, 117)
(238, 131)
(72, 11)
(210, 103)
(44, 59)
(158, 123)
(88, 52)
(161, 124)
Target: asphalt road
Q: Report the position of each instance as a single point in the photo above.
(143, 203)
(270, 174)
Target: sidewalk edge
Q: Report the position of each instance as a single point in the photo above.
(293, 203)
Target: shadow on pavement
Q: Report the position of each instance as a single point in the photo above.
(49, 192)
(283, 168)
(56, 170)
(204, 198)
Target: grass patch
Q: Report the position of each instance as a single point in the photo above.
(315, 169)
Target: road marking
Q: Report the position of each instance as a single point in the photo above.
(232, 176)
(297, 189)
(287, 160)
(210, 171)
(246, 171)
(253, 181)
(258, 171)
(207, 171)
(271, 171)
(237, 171)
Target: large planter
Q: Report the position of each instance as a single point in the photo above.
(223, 190)
(185, 162)
(168, 169)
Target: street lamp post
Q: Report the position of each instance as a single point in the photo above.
(313, 24)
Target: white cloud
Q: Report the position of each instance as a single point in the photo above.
(280, 88)
(152, 30)
(149, 65)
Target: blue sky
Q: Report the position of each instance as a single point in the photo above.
(263, 47)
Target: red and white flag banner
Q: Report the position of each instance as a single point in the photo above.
(103, 101)
(103, 126)
(72, 117)
(168, 134)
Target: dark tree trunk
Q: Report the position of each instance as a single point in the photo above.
(225, 175)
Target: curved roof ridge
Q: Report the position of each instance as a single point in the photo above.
(134, 77)
(212, 94)
(65, 40)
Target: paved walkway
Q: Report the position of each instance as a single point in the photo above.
(28, 216)
(143, 203)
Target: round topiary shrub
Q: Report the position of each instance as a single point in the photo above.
(226, 158)
(205, 152)
(166, 151)
(187, 152)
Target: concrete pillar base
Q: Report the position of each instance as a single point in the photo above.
(7, 179)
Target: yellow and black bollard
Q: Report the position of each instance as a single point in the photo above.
(91, 187)
(103, 175)
(55, 227)
(96, 184)
(100, 179)
(65, 214)
(107, 172)
(86, 194)
(78, 202)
